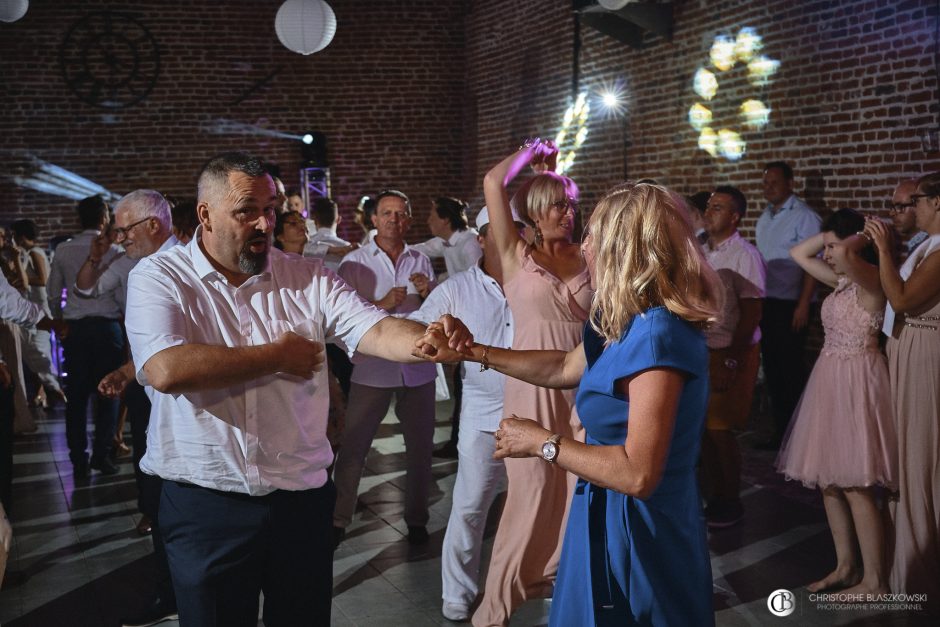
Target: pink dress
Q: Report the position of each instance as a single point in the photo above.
(843, 432)
(547, 314)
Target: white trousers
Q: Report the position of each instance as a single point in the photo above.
(480, 478)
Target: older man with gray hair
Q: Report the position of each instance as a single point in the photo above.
(143, 225)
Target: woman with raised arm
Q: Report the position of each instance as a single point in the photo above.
(913, 324)
(548, 290)
(634, 549)
(842, 438)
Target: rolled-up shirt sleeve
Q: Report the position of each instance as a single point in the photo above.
(15, 308)
(154, 319)
(346, 315)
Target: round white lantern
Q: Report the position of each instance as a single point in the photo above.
(12, 10)
(305, 26)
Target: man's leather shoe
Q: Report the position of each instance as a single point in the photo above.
(144, 526)
(103, 465)
(157, 613)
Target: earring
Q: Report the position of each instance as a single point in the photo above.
(538, 237)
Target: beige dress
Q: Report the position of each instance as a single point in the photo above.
(914, 365)
(547, 314)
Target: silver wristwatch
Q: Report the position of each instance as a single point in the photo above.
(550, 448)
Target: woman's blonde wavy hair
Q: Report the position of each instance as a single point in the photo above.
(646, 256)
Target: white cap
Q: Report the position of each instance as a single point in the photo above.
(483, 218)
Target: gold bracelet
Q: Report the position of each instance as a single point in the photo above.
(484, 359)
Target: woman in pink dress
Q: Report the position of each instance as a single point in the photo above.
(913, 292)
(842, 438)
(548, 289)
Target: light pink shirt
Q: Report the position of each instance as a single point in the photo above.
(742, 271)
(370, 271)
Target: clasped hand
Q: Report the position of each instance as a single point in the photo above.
(446, 341)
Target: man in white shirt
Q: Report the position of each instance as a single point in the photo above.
(324, 243)
(385, 273)
(95, 345)
(786, 221)
(453, 239)
(229, 334)
(476, 297)
(143, 226)
(733, 352)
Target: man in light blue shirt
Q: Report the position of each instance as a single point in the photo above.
(786, 221)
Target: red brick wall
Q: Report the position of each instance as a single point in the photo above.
(427, 94)
(856, 86)
(387, 92)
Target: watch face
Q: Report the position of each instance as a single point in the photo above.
(549, 451)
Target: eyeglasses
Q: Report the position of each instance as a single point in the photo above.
(565, 203)
(915, 198)
(121, 233)
(900, 207)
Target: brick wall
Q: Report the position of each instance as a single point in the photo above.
(426, 95)
(856, 86)
(387, 92)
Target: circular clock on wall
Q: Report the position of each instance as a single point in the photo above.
(110, 60)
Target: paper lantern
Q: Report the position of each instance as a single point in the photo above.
(12, 10)
(305, 26)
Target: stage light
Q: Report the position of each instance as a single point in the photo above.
(610, 100)
(755, 114)
(705, 84)
(747, 44)
(730, 144)
(700, 116)
(307, 139)
(760, 69)
(722, 53)
(52, 179)
(708, 141)
(574, 123)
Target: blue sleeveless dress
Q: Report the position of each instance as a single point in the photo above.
(627, 561)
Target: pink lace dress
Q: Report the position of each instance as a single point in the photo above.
(843, 432)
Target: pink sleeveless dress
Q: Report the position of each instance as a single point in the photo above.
(843, 432)
(548, 313)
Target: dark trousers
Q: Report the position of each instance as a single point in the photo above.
(341, 366)
(782, 354)
(148, 487)
(224, 548)
(6, 448)
(93, 348)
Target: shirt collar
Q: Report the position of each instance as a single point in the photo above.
(787, 204)
(204, 267)
(734, 236)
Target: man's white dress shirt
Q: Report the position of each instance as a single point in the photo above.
(370, 272)
(268, 433)
(477, 299)
(67, 261)
(319, 244)
(461, 251)
(15, 308)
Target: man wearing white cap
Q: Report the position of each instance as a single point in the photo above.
(476, 297)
